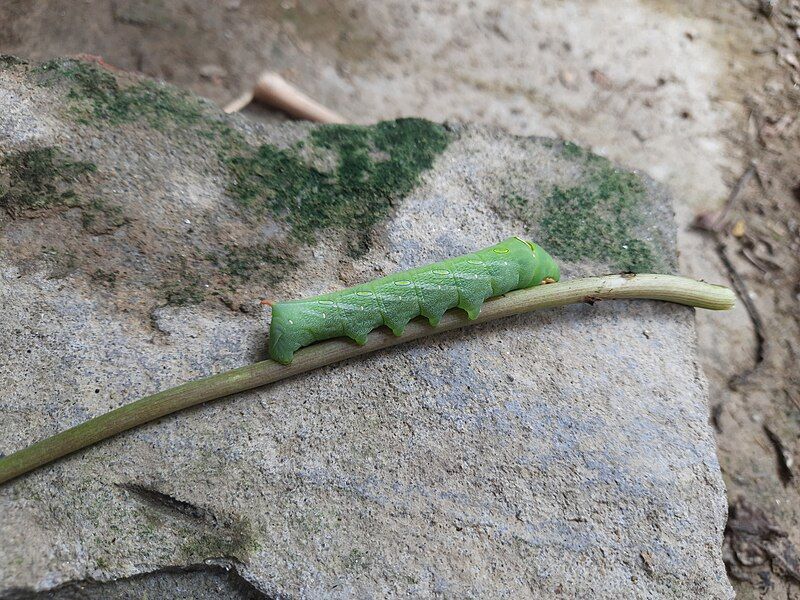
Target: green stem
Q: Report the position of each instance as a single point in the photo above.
(654, 287)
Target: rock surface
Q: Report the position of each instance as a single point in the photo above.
(193, 582)
(562, 451)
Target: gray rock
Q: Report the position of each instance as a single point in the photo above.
(193, 582)
(566, 451)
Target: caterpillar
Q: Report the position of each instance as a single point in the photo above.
(463, 282)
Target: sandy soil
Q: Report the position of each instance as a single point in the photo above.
(701, 96)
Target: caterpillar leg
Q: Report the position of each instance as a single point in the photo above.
(358, 339)
(434, 319)
(360, 314)
(473, 290)
(471, 308)
(399, 302)
(358, 330)
(397, 327)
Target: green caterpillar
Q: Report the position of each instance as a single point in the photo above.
(463, 282)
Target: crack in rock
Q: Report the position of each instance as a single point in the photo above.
(199, 581)
(163, 501)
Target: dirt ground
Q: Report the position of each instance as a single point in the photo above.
(703, 95)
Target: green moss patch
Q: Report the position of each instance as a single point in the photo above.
(339, 181)
(95, 94)
(99, 217)
(39, 178)
(263, 261)
(599, 219)
(572, 150)
(375, 167)
(184, 290)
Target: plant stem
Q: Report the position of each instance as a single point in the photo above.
(612, 287)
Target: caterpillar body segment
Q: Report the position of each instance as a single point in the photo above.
(430, 291)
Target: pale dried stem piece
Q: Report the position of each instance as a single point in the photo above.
(274, 91)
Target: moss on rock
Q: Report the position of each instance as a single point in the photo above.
(39, 178)
(98, 216)
(7, 60)
(184, 290)
(262, 260)
(95, 94)
(599, 219)
(375, 167)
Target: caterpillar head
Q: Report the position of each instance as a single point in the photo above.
(545, 268)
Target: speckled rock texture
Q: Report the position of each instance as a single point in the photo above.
(191, 582)
(560, 452)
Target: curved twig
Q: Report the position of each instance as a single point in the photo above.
(654, 287)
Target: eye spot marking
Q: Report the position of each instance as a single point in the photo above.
(326, 302)
(474, 262)
(403, 282)
(364, 293)
(500, 250)
(441, 272)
